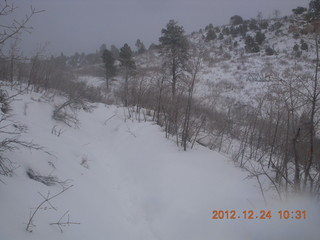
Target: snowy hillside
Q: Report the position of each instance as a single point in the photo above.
(130, 182)
(229, 71)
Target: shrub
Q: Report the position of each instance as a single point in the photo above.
(264, 25)
(269, 51)
(236, 20)
(251, 46)
(304, 46)
(275, 26)
(260, 37)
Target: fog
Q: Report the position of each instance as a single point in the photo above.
(71, 26)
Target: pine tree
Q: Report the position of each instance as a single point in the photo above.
(236, 20)
(174, 47)
(115, 52)
(269, 51)
(299, 10)
(314, 10)
(211, 35)
(126, 59)
(110, 69)
(207, 28)
(128, 66)
(304, 46)
(102, 48)
(260, 37)
(140, 47)
(251, 45)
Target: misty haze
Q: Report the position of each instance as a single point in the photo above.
(164, 120)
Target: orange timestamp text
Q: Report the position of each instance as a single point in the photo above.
(262, 214)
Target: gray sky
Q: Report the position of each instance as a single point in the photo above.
(71, 26)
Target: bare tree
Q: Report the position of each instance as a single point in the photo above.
(11, 131)
(13, 29)
(194, 70)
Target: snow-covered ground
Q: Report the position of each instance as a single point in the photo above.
(130, 182)
(92, 81)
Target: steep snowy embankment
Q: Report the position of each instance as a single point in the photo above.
(132, 184)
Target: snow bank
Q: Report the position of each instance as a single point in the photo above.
(131, 183)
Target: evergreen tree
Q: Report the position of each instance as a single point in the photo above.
(299, 10)
(93, 58)
(128, 66)
(217, 29)
(226, 31)
(264, 24)
(174, 46)
(276, 26)
(234, 31)
(314, 10)
(251, 45)
(102, 48)
(209, 27)
(243, 29)
(60, 61)
(260, 37)
(296, 51)
(110, 69)
(211, 35)
(125, 58)
(236, 20)
(115, 52)
(296, 48)
(269, 51)
(74, 60)
(153, 46)
(304, 46)
(253, 25)
(140, 47)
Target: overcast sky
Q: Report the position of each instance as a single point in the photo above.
(71, 26)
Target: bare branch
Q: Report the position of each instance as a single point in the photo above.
(64, 224)
(11, 31)
(46, 200)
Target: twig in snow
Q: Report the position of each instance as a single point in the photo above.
(64, 224)
(105, 122)
(131, 131)
(46, 199)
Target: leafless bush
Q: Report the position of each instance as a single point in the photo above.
(67, 111)
(11, 133)
(11, 141)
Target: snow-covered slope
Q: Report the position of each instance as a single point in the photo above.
(129, 182)
(230, 72)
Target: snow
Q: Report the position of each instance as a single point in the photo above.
(92, 81)
(135, 185)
